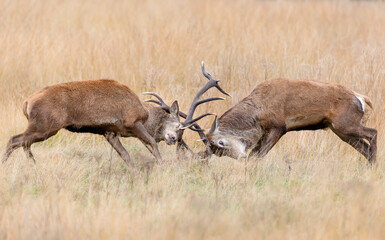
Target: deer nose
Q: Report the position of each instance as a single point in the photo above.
(171, 138)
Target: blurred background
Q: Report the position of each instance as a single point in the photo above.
(158, 46)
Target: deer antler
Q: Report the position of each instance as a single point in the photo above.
(210, 84)
(160, 101)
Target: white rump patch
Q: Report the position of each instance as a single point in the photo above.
(362, 103)
(28, 110)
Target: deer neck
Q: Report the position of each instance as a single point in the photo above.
(155, 121)
(242, 121)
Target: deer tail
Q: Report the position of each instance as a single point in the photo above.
(25, 109)
(364, 98)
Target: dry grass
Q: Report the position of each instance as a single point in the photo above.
(311, 185)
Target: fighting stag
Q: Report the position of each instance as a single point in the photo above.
(103, 107)
(278, 106)
(189, 122)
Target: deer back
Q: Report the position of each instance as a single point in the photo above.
(296, 103)
(86, 103)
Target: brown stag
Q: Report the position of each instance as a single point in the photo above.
(103, 107)
(278, 106)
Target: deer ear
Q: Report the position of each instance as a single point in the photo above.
(214, 126)
(174, 110)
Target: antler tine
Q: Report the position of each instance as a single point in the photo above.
(208, 100)
(197, 130)
(194, 105)
(206, 74)
(214, 82)
(161, 103)
(155, 95)
(153, 101)
(191, 122)
(182, 114)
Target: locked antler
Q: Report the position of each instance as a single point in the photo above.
(190, 122)
(164, 106)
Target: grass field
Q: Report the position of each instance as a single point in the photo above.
(310, 186)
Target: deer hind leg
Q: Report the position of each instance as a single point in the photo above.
(354, 135)
(370, 134)
(113, 139)
(140, 132)
(148, 146)
(268, 143)
(28, 153)
(357, 143)
(14, 143)
(32, 136)
(25, 140)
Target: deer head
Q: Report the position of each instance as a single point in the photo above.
(170, 128)
(224, 143)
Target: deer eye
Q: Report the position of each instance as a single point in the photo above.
(221, 143)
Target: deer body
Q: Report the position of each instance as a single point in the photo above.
(278, 106)
(85, 106)
(103, 107)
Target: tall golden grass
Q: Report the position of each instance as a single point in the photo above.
(310, 186)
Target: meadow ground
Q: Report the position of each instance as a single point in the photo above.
(310, 186)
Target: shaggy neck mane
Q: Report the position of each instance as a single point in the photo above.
(154, 123)
(242, 116)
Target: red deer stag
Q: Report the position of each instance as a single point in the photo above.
(103, 107)
(278, 106)
(190, 122)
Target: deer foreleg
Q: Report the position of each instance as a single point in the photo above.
(257, 147)
(140, 132)
(147, 146)
(113, 139)
(182, 146)
(271, 139)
